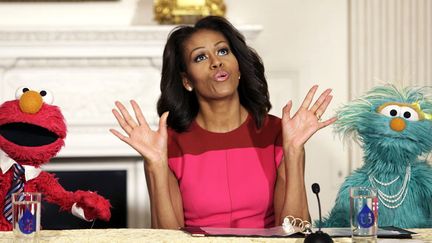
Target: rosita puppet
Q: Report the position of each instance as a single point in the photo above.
(32, 131)
(394, 128)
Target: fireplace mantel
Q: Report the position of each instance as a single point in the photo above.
(145, 41)
(87, 69)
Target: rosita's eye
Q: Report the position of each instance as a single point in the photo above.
(404, 112)
(391, 111)
(409, 113)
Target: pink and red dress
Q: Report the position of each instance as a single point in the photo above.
(227, 179)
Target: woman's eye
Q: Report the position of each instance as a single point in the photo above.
(409, 113)
(223, 52)
(391, 111)
(200, 58)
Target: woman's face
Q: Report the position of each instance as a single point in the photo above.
(211, 68)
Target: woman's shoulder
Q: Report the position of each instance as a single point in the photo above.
(271, 122)
(269, 130)
(273, 119)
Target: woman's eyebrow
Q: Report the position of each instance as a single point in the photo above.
(195, 49)
(202, 47)
(217, 43)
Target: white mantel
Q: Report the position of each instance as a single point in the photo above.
(91, 42)
(87, 69)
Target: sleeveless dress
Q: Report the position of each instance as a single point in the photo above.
(227, 179)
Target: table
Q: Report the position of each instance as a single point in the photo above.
(174, 236)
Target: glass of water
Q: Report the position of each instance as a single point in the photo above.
(26, 208)
(364, 214)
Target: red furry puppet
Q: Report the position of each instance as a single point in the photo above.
(32, 131)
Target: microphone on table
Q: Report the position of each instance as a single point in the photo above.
(318, 236)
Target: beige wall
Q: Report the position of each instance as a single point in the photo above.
(303, 42)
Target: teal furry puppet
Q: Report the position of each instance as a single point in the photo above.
(394, 128)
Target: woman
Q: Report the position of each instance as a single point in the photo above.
(218, 159)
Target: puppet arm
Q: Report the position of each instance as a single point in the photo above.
(52, 191)
(83, 204)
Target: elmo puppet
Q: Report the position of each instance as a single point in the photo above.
(32, 131)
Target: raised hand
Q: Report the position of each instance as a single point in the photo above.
(152, 145)
(306, 121)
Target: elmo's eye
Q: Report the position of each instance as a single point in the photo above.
(409, 113)
(391, 111)
(47, 96)
(20, 91)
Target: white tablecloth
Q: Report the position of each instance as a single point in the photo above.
(172, 236)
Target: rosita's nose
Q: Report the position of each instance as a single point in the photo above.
(30, 102)
(397, 124)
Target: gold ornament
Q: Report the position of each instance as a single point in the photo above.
(186, 11)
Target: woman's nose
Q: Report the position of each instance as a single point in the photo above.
(216, 63)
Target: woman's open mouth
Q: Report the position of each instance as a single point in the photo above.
(221, 76)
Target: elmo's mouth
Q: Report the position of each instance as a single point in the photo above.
(25, 134)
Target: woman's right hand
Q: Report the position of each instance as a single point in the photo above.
(152, 145)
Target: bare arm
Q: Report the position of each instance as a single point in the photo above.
(294, 195)
(279, 194)
(165, 199)
(164, 192)
(290, 193)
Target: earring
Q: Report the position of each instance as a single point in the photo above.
(189, 88)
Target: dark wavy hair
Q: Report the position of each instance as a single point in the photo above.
(183, 105)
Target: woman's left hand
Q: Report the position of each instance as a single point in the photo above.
(306, 121)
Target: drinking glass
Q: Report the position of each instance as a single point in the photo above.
(364, 214)
(26, 208)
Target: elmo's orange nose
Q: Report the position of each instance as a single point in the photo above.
(30, 102)
(397, 124)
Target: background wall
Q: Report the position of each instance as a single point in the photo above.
(303, 42)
